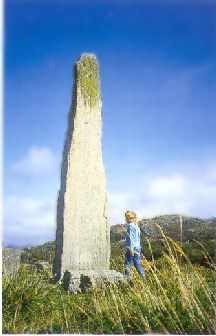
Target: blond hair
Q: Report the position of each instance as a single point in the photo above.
(130, 215)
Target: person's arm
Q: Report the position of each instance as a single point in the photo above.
(130, 240)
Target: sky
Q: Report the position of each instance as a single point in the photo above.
(158, 82)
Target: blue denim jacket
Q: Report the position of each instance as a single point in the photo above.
(133, 238)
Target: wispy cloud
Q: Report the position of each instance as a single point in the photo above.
(167, 185)
(118, 202)
(28, 220)
(31, 220)
(183, 193)
(37, 161)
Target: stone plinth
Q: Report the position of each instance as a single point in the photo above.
(82, 281)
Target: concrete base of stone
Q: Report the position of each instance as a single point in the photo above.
(83, 281)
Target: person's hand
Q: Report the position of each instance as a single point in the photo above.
(122, 243)
(131, 252)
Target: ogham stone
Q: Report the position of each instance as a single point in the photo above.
(81, 214)
(83, 233)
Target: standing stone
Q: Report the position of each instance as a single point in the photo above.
(83, 234)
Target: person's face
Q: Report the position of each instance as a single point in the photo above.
(129, 220)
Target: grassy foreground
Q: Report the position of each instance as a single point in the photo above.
(176, 297)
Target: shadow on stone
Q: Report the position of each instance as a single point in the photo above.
(86, 283)
(66, 280)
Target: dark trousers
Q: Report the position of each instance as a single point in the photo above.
(136, 261)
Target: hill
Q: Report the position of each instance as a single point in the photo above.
(193, 229)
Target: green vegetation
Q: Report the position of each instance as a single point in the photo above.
(43, 252)
(196, 231)
(155, 250)
(152, 251)
(176, 297)
(88, 79)
(191, 249)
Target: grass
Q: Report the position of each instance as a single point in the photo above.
(176, 297)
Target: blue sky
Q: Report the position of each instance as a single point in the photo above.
(158, 81)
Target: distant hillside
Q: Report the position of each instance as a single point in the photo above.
(41, 252)
(192, 228)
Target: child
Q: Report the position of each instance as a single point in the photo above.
(133, 247)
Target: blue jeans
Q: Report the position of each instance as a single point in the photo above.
(135, 259)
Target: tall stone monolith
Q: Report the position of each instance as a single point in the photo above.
(83, 233)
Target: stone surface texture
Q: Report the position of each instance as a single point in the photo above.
(83, 233)
(10, 260)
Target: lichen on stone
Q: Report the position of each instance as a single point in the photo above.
(88, 78)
